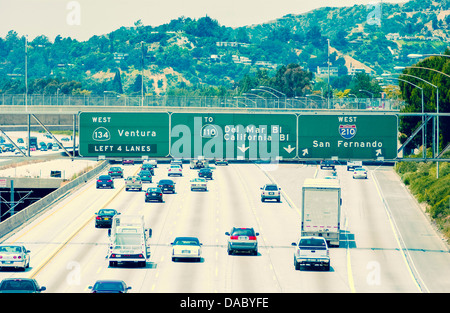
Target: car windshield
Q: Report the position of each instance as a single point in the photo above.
(17, 285)
(271, 187)
(312, 242)
(186, 241)
(10, 249)
(359, 169)
(108, 286)
(107, 212)
(243, 232)
(165, 182)
(144, 173)
(104, 177)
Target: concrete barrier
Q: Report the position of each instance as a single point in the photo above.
(41, 205)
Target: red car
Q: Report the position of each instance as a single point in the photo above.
(127, 162)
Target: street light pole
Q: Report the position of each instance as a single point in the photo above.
(26, 73)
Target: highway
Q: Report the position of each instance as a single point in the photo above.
(387, 244)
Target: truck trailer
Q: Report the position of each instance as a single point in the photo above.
(321, 209)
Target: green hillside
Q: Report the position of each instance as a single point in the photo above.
(201, 55)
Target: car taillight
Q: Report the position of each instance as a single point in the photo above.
(146, 194)
(109, 181)
(251, 237)
(160, 194)
(99, 181)
(98, 218)
(234, 237)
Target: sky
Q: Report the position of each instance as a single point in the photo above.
(82, 19)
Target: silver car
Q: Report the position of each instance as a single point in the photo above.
(16, 256)
(242, 240)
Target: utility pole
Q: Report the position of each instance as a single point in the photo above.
(328, 97)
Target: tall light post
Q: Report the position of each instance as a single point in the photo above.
(423, 126)
(435, 132)
(26, 75)
(277, 91)
(418, 55)
(259, 89)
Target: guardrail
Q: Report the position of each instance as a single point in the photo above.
(316, 102)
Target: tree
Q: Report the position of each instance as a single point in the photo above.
(117, 82)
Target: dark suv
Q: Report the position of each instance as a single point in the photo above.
(327, 164)
(242, 239)
(205, 173)
(167, 185)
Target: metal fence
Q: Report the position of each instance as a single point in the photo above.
(205, 101)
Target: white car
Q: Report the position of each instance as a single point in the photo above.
(270, 191)
(152, 162)
(199, 183)
(16, 256)
(174, 170)
(186, 248)
(360, 172)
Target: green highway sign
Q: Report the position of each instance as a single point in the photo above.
(238, 136)
(124, 134)
(349, 136)
(246, 136)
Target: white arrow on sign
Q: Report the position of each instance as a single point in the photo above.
(243, 148)
(378, 152)
(289, 149)
(305, 152)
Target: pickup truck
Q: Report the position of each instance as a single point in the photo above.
(133, 182)
(311, 251)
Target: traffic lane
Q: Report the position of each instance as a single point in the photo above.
(243, 272)
(364, 213)
(76, 245)
(92, 253)
(283, 228)
(203, 215)
(374, 261)
(428, 253)
(190, 217)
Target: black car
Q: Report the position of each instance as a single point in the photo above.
(205, 173)
(105, 181)
(109, 286)
(146, 176)
(116, 171)
(327, 164)
(104, 217)
(20, 285)
(154, 193)
(167, 185)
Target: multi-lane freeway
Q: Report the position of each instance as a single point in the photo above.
(387, 244)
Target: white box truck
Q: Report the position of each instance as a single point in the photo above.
(321, 209)
(129, 241)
